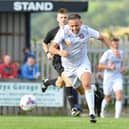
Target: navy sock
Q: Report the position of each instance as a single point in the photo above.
(50, 82)
(70, 97)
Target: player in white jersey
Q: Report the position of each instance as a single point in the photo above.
(72, 40)
(111, 62)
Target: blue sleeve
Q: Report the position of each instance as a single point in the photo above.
(36, 69)
(25, 73)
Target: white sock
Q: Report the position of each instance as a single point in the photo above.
(89, 95)
(118, 108)
(103, 105)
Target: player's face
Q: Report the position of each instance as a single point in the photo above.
(115, 44)
(62, 19)
(74, 25)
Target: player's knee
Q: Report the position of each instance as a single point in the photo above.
(86, 86)
(118, 95)
(60, 83)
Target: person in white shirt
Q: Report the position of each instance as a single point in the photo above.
(112, 64)
(72, 40)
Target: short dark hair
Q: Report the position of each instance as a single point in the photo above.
(74, 16)
(25, 48)
(115, 39)
(62, 11)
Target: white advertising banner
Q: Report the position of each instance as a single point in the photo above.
(11, 92)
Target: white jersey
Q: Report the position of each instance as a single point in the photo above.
(75, 45)
(109, 58)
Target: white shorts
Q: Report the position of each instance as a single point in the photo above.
(75, 73)
(112, 85)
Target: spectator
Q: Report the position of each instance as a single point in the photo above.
(7, 68)
(30, 70)
(27, 53)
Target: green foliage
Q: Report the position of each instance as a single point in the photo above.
(108, 13)
(126, 73)
(101, 14)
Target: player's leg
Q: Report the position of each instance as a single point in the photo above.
(118, 104)
(89, 94)
(107, 89)
(60, 82)
(57, 81)
(47, 83)
(72, 99)
(74, 92)
(70, 92)
(118, 88)
(104, 104)
(84, 74)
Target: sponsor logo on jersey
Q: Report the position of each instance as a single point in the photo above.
(81, 36)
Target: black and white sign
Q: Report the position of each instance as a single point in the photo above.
(33, 6)
(45, 6)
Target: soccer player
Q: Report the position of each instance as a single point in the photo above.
(111, 63)
(72, 40)
(62, 18)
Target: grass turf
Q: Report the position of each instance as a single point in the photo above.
(33, 122)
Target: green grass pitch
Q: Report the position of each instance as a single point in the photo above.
(51, 122)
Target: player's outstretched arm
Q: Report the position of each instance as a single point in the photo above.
(105, 40)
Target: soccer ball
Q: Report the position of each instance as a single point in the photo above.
(27, 102)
